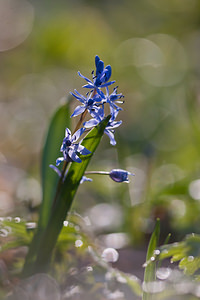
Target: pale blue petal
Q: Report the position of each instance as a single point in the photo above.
(107, 83)
(77, 134)
(56, 170)
(59, 160)
(82, 150)
(72, 154)
(90, 123)
(111, 136)
(87, 79)
(68, 133)
(78, 110)
(84, 178)
(89, 86)
(81, 99)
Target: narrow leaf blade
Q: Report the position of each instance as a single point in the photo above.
(150, 270)
(51, 151)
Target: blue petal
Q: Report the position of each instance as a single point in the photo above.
(84, 178)
(91, 123)
(97, 59)
(80, 97)
(82, 150)
(100, 67)
(89, 86)
(108, 72)
(72, 154)
(107, 83)
(59, 160)
(78, 110)
(87, 79)
(101, 94)
(56, 170)
(77, 134)
(111, 136)
(68, 133)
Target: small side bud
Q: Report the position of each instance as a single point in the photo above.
(119, 175)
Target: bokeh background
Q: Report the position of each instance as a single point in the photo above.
(153, 48)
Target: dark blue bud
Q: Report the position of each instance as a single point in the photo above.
(100, 67)
(119, 175)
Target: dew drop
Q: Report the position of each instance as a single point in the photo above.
(144, 265)
(3, 232)
(190, 258)
(31, 225)
(78, 243)
(65, 223)
(157, 252)
(17, 220)
(89, 269)
(110, 255)
(163, 273)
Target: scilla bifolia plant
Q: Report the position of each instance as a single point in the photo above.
(77, 148)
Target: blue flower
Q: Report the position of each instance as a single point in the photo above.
(101, 79)
(70, 148)
(84, 179)
(112, 124)
(88, 103)
(119, 175)
(113, 98)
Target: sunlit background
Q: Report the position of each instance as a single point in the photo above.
(153, 48)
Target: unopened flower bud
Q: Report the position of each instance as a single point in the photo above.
(119, 175)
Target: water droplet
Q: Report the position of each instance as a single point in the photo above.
(89, 268)
(78, 243)
(163, 273)
(152, 258)
(190, 258)
(144, 265)
(110, 255)
(9, 219)
(17, 220)
(3, 232)
(65, 223)
(157, 252)
(31, 225)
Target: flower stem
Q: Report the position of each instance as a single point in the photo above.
(97, 172)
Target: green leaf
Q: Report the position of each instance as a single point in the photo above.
(51, 151)
(64, 201)
(186, 251)
(56, 131)
(150, 270)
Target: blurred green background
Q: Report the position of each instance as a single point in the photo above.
(153, 48)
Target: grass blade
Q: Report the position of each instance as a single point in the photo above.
(59, 121)
(150, 270)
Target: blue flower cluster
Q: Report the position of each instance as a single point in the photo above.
(95, 99)
(93, 103)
